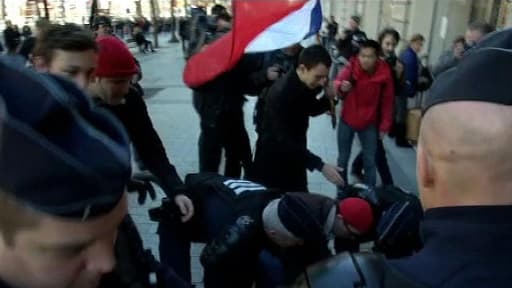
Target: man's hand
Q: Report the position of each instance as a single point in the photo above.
(273, 73)
(332, 173)
(186, 207)
(345, 86)
(143, 187)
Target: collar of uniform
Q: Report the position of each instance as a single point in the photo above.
(467, 223)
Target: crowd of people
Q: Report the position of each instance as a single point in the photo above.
(71, 108)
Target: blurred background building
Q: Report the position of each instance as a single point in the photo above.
(440, 21)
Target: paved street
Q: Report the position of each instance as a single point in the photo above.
(170, 106)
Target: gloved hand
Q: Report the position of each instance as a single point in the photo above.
(141, 183)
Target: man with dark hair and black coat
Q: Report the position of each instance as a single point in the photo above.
(282, 156)
(252, 233)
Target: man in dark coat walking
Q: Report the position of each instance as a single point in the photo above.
(282, 156)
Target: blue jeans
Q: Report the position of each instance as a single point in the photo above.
(368, 138)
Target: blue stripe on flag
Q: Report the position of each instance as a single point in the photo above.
(316, 19)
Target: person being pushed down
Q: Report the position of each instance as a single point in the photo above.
(252, 233)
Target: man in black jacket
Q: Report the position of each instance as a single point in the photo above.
(282, 156)
(219, 105)
(247, 226)
(111, 88)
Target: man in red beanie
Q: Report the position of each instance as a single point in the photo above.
(356, 216)
(112, 89)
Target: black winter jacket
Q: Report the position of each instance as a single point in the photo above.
(133, 113)
(282, 156)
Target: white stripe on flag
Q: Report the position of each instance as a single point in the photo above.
(288, 31)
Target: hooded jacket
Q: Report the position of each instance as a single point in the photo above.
(370, 101)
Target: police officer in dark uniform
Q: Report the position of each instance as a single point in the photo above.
(464, 181)
(64, 166)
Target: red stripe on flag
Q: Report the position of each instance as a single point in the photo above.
(251, 18)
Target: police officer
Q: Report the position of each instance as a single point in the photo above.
(464, 182)
(63, 171)
(465, 186)
(248, 227)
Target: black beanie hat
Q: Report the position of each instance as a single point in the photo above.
(305, 215)
(484, 74)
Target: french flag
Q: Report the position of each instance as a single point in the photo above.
(258, 26)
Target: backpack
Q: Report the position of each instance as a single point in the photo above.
(398, 214)
(397, 230)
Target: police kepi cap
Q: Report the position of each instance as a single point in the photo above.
(58, 154)
(483, 74)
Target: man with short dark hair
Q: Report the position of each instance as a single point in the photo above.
(366, 87)
(67, 50)
(282, 156)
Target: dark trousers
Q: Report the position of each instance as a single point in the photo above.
(228, 133)
(212, 216)
(145, 45)
(381, 161)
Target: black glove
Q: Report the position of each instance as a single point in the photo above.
(232, 242)
(168, 212)
(141, 183)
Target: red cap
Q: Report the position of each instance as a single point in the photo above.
(357, 213)
(114, 58)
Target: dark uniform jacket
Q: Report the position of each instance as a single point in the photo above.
(282, 156)
(463, 247)
(134, 115)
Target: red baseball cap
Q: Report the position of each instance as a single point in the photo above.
(357, 213)
(114, 58)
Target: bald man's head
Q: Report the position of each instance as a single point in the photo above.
(465, 155)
